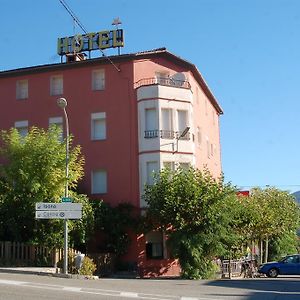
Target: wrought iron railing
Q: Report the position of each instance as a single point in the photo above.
(166, 81)
(166, 134)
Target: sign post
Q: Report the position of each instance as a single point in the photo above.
(65, 211)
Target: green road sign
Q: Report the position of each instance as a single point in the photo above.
(66, 199)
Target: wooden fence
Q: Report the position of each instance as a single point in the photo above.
(20, 254)
(15, 254)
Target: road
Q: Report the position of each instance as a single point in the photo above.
(25, 287)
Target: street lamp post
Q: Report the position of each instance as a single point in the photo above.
(62, 103)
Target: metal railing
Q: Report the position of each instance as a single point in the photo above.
(166, 81)
(165, 134)
(240, 268)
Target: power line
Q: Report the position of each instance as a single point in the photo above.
(72, 14)
(78, 22)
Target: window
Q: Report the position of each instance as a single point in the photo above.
(211, 149)
(169, 165)
(98, 126)
(162, 78)
(154, 245)
(151, 130)
(292, 259)
(22, 89)
(22, 127)
(207, 147)
(199, 136)
(150, 119)
(167, 123)
(152, 168)
(182, 116)
(197, 95)
(184, 166)
(99, 182)
(56, 85)
(98, 80)
(58, 122)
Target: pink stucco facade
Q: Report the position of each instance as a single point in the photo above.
(123, 152)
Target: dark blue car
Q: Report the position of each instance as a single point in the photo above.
(289, 265)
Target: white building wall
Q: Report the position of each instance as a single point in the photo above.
(164, 148)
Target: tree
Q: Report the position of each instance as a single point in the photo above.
(187, 204)
(278, 216)
(115, 224)
(33, 170)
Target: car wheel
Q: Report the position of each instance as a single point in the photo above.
(272, 273)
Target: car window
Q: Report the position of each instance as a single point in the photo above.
(292, 259)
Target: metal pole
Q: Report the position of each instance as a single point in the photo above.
(66, 195)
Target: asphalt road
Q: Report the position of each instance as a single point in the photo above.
(20, 286)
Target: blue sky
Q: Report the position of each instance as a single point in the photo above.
(247, 50)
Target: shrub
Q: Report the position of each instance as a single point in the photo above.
(88, 267)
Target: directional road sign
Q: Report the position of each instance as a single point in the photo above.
(65, 206)
(51, 214)
(66, 199)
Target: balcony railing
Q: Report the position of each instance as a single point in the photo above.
(166, 81)
(165, 134)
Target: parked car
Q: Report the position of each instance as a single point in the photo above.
(289, 265)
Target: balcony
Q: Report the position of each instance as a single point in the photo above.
(165, 81)
(166, 134)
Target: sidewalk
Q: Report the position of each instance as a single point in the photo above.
(29, 270)
(43, 271)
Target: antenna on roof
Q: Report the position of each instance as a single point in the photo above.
(77, 21)
(116, 22)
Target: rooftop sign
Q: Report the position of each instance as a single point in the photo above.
(90, 41)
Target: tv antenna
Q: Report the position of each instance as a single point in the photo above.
(116, 22)
(78, 22)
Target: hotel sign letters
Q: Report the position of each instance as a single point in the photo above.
(90, 41)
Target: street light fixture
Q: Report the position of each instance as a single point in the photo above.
(62, 103)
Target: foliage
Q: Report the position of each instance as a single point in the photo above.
(277, 219)
(278, 212)
(285, 244)
(34, 171)
(187, 205)
(88, 267)
(115, 223)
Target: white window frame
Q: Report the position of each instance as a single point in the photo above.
(148, 126)
(22, 89)
(199, 136)
(98, 83)
(102, 189)
(186, 113)
(208, 147)
(56, 88)
(155, 239)
(167, 124)
(100, 116)
(22, 126)
(184, 165)
(58, 121)
(150, 173)
(169, 164)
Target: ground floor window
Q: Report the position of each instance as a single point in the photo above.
(154, 245)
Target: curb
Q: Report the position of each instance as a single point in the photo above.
(45, 273)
